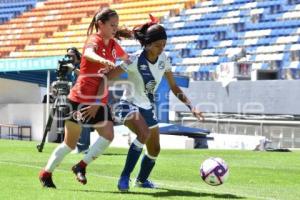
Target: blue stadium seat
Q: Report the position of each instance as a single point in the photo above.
(13, 8)
(18, 3)
(5, 17)
(266, 34)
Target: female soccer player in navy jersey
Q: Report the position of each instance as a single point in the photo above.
(145, 71)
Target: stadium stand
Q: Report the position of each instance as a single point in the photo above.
(201, 36)
(13, 8)
(207, 35)
(67, 23)
(35, 40)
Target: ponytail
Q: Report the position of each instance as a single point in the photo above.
(140, 33)
(124, 33)
(149, 32)
(91, 26)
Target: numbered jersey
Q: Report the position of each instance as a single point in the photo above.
(144, 78)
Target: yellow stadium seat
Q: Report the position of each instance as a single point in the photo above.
(50, 47)
(24, 36)
(15, 42)
(57, 40)
(32, 20)
(31, 30)
(70, 33)
(5, 50)
(59, 1)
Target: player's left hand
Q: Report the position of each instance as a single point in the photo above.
(89, 112)
(198, 114)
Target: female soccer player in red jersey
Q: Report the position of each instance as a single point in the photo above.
(87, 108)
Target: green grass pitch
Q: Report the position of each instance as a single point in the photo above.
(253, 175)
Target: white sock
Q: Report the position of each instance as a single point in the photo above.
(150, 157)
(57, 156)
(138, 143)
(96, 149)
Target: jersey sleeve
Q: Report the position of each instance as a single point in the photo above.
(129, 64)
(119, 50)
(92, 42)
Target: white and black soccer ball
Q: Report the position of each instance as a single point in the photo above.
(214, 171)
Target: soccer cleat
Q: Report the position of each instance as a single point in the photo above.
(80, 173)
(46, 179)
(123, 183)
(146, 184)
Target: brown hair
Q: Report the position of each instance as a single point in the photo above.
(104, 15)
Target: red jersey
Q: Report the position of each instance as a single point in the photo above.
(88, 81)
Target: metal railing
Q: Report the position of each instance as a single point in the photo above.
(282, 133)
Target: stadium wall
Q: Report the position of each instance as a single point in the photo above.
(12, 91)
(243, 97)
(33, 115)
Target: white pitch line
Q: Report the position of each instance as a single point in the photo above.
(60, 170)
(161, 183)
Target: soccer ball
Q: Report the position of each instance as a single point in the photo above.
(214, 171)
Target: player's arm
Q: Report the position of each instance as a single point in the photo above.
(181, 96)
(126, 65)
(112, 74)
(124, 57)
(115, 73)
(91, 55)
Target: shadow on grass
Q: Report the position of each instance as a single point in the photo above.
(167, 192)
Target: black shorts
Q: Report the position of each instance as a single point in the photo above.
(74, 114)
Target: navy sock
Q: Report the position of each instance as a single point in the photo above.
(84, 140)
(146, 168)
(132, 158)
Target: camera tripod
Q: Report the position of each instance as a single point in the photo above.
(59, 109)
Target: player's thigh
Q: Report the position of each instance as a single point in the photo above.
(105, 129)
(129, 115)
(72, 133)
(137, 124)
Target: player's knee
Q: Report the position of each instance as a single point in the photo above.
(71, 146)
(144, 135)
(110, 136)
(154, 151)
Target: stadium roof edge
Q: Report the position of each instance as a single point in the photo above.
(32, 70)
(29, 64)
